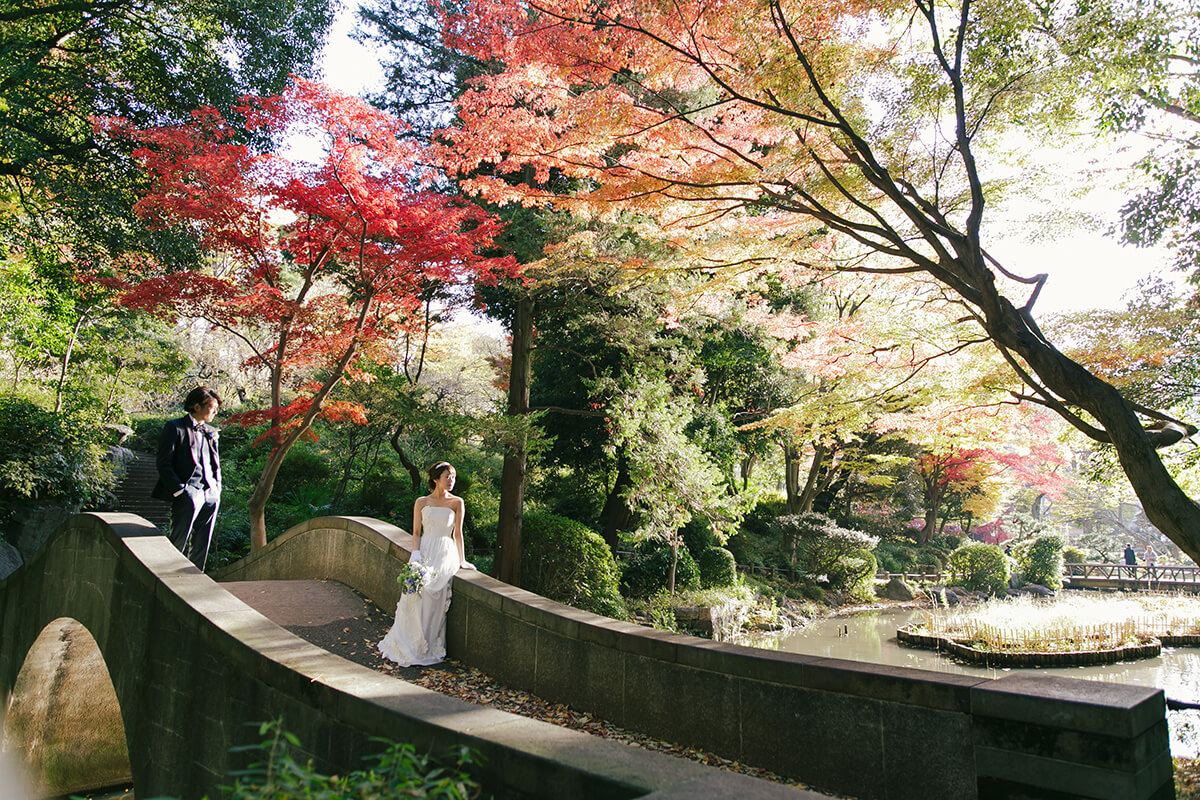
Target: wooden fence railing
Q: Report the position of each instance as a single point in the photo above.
(1174, 573)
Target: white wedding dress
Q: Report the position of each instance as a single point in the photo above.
(418, 636)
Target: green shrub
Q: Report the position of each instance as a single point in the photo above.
(896, 556)
(48, 458)
(931, 560)
(824, 548)
(717, 568)
(756, 541)
(301, 470)
(855, 572)
(979, 566)
(388, 493)
(569, 562)
(1073, 555)
(572, 494)
(657, 610)
(1040, 560)
(698, 536)
(399, 771)
(648, 570)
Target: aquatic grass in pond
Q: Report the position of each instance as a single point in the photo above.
(1067, 623)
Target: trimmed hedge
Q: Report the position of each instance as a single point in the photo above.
(1041, 561)
(980, 566)
(717, 568)
(566, 561)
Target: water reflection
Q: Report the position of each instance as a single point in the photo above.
(871, 637)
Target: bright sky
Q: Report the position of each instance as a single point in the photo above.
(1087, 268)
(346, 64)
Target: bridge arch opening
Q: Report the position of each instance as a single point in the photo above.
(63, 719)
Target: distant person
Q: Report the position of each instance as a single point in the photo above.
(189, 474)
(418, 635)
(1150, 557)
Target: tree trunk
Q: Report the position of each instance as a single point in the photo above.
(791, 477)
(674, 564)
(414, 474)
(1166, 505)
(616, 513)
(748, 464)
(339, 491)
(62, 375)
(512, 480)
(809, 493)
(927, 532)
(256, 507)
(112, 389)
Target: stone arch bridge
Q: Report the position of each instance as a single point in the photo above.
(191, 665)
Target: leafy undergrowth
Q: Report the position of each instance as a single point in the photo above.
(1187, 779)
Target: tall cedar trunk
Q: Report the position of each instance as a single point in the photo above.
(616, 513)
(512, 481)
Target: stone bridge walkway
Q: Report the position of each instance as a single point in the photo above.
(333, 616)
(190, 667)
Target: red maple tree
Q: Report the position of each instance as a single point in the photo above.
(855, 121)
(314, 262)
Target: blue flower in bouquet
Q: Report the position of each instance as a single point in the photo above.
(412, 577)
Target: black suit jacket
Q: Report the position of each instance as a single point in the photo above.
(176, 462)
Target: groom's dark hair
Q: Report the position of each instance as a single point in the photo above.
(198, 397)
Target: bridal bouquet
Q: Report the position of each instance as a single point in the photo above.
(412, 577)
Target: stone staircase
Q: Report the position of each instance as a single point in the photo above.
(133, 492)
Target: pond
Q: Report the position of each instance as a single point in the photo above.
(870, 637)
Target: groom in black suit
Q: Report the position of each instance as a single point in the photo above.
(189, 474)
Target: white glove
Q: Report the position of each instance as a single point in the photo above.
(415, 558)
(466, 565)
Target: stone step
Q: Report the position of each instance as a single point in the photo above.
(133, 492)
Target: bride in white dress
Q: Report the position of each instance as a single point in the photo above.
(418, 636)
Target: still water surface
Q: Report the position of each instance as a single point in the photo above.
(871, 637)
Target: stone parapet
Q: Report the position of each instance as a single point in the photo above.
(854, 729)
(195, 671)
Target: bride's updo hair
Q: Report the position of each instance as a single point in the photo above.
(436, 471)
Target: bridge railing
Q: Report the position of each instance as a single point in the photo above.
(1175, 573)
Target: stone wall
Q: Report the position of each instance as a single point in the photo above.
(864, 730)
